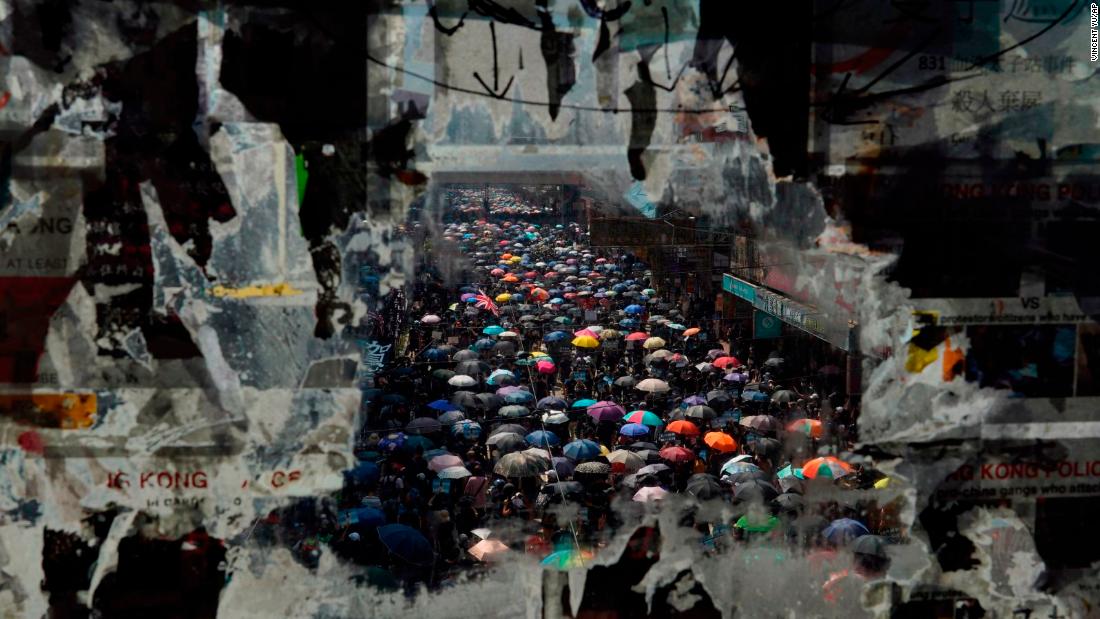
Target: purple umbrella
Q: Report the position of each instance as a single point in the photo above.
(694, 401)
(606, 411)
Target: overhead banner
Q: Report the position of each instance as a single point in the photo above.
(765, 326)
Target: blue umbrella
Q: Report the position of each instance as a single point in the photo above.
(406, 543)
(755, 396)
(553, 402)
(364, 473)
(434, 354)
(493, 330)
(367, 516)
(844, 530)
(555, 336)
(444, 405)
(634, 429)
(585, 403)
(582, 449)
(483, 344)
(466, 429)
(519, 397)
(392, 442)
(628, 323)
(634, 309)
(542, 438)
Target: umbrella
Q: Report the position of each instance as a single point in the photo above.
(720, 441)
(493, 330)
(761, 423)
(423, 425)
(652, 385)
(751, 395)
(562, 466)
(645, 418)
(569, 558)
(367, 516)
(726, 362)
(364, 473)
(733, 467)
(649, 494)
(809, 427)
(443, 374)
(406, 543)
(464, 355)
(625, 461)
(593, 468)
(553, 402)
(653, 343)
(443, 405)
(678, 454)
(562, 488)
(586, 341)
(555, 336)
(718, 398)
(514, 410)
(435, 354)
(634, 429)
(703, 486)
(466, 429)
(430, 319)
(870, 546)
(439, 463)
(487, 549)
(505, 428)
(694, 401)
(844, 530)
(520, 464)
(784, 396)
(461, 380)
(606, 411)
(506, 442)
(490, 401)
(542, 438)
(501, 377)
(701, 412)
(825, 467)
(455, 472)
(754, 488)
(581, 449)
(449, 418)
(626, 382)
(789, 501)
(519, 397)
(683, 427)
(789, 471)
(637, 336)
(545, 367)
(653, 469)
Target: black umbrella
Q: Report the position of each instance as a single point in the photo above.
(756, 488)
(504, 348)
(465, 399)
(761, 423)
(774, 363)
(507, 442)
(643, 446)
(514, 428)
(789, 502)
(563, 487)
(464, 355)
(490, 401)
(626, 381)
(701, 412)
(443, 375)
(704, 486)
(718, 397)
(472, 368)
(784, 396)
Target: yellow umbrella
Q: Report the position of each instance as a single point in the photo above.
(585, 341)
(651, 343)
(515, 259)
(504, 297)
(539, 353)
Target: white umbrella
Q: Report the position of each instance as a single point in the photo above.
(454, 472)
(461, 380)
(430, 319)
(652, 385)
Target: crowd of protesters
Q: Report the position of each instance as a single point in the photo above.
(555, 394)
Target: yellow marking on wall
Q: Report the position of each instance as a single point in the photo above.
(50, 410)
(248, 292)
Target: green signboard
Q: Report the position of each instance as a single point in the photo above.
(739, 288)
(765, 326)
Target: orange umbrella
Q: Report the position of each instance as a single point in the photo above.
(683, 426)
(720, 441)
(692, 331)
(487, 549)
(809, 427)
(827, 467)
(510, 278)
(637, 336)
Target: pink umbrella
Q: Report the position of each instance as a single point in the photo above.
(487, 549)
(444, 461)
(588, 332)
(545, 367)
(650, 493)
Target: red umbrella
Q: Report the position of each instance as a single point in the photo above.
(726, 362)
(678, 454)
(683, 426)
(637, 336)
